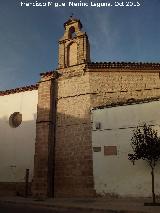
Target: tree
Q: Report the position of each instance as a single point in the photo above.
(146, 146)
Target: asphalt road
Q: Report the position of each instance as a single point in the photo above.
(19, 208)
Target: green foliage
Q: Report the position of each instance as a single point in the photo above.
(146, 145)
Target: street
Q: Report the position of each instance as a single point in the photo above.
(19, 208)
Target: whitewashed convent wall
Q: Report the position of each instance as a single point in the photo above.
(113, 173)
(17, 144)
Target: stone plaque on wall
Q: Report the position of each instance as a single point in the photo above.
(110, 150)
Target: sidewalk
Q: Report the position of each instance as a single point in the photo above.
(114, 205)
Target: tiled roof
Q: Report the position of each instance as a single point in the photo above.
(124, 65)
(20, 89)
(49, 73)
(131, 101)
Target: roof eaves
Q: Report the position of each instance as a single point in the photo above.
(19, 89)
(131, 101)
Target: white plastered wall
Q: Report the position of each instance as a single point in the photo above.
(115, 174)
(17, 145)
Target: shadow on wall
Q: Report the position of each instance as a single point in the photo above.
(69, 163)
(73, 156)
(17, 147)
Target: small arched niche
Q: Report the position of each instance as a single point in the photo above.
(72, 54)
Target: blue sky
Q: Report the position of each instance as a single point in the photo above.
(29, 36)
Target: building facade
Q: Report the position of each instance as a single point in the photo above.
(112, 130)
(68, 152)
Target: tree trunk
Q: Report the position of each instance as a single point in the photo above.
(153, 194)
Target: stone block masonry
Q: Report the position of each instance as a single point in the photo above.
(73, 150)
(45, 138)
(110, 85)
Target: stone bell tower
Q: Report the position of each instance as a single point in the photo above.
(74, 46)
(73, 172)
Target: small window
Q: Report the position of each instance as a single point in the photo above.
(15, 119)
(72, 33)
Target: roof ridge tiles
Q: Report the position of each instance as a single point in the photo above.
(123, 64)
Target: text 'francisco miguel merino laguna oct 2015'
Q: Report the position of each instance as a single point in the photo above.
(81, 4)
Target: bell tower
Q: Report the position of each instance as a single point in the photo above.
(74, 46)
